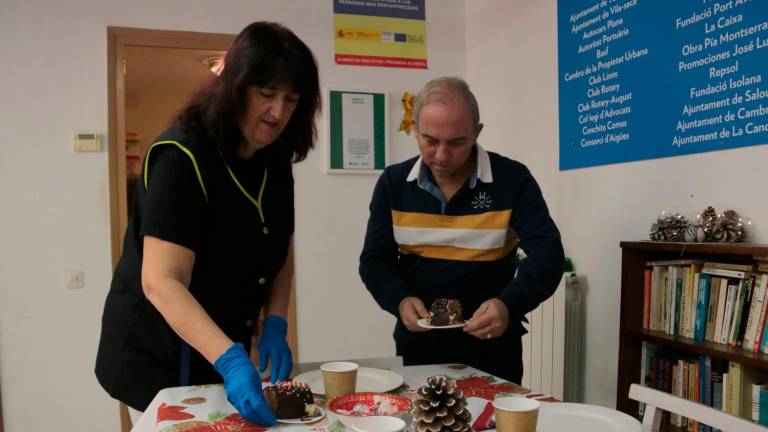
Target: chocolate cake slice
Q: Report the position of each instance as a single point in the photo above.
(289, 400)
(445, 312)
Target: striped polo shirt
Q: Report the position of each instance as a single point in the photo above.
(482, 236)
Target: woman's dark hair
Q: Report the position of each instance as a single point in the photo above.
(263, 54)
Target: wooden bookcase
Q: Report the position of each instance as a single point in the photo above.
(634, 257)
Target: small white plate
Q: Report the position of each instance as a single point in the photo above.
(576, 417)
(300, 421)
(368, 380)
(424, 322)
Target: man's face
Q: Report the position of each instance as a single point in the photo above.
(446, 136)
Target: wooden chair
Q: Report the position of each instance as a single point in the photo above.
(657, 401)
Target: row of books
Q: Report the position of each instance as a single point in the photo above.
(724, 385)
(717, 302)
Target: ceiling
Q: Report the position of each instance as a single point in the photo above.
(167, 70)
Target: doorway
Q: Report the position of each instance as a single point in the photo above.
(151, 74)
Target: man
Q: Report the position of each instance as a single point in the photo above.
(447, 225)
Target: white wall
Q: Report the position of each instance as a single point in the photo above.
(332, 210)
(512, 66)
(55, 204)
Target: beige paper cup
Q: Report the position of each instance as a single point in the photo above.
(339, 378)
(378, 424)
(516, 414)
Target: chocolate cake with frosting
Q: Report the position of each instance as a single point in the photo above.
(289, 400)
(444, 312)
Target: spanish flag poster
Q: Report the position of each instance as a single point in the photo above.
(385, 33)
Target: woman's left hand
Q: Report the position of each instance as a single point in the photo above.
(274, 348)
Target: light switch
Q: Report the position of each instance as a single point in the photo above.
(87, 142)
(73, 279)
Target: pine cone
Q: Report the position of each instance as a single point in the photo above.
(670, 228)
(441, 407)
(707, 221)
(729, 228)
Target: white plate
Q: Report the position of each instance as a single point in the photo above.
(368, 380)
(574, 417)
(424, 322)
(300, 421)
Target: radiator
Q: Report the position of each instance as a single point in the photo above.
(553, 349)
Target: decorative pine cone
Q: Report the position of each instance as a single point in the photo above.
(707, 221)
(441, 407)
(671, 227)
(728, 228)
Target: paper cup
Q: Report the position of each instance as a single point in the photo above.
(516, 414)
(378, 424)
(339, 378)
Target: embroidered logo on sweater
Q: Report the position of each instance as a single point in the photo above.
(482, 200)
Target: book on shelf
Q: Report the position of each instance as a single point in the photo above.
(738, 312)
(685, 309)
(669, 306)
(702, 303)
(737, 274)
(722, 301)
(763, 406)
(705, 381)
(690, 286)
(735, 378)
(714, 295)
(730, 266)
(647, 352)
(677, 390)
(647, 283)
(693, 390)
(705, 363)
(763, 314)
(755, 314)
(731, 298)
(719, 368)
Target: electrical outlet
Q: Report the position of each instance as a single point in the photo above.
(73, 279)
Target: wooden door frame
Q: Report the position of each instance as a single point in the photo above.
(117, 40)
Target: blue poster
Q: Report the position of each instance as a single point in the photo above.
(644, 79)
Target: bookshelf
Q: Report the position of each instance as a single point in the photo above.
(634, 258)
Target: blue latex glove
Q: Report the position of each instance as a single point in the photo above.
(243, 385)
(273, 347)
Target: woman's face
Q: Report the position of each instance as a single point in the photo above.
(268, 111)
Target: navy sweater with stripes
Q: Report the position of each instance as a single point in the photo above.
(468, 250)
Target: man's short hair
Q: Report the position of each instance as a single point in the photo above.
(449, 85)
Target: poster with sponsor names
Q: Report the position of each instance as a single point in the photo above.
(645, 79)
(386, 33)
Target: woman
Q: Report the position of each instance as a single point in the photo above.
(210, 239)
